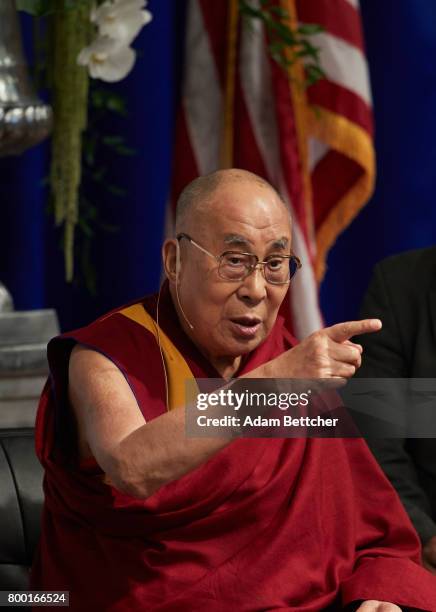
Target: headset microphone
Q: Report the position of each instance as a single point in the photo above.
(177, 284)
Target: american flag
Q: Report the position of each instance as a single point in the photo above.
(239, 108)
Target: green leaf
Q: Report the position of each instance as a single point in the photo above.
(280, 12)
(112, 140)
(276, 46)
(93, 213)
(103, 99)
(117, 105)
(248, 11)
(306, 49)
(278, 57)
(98, 175)
(116, 191)
(283, 32)
(308, 29)
(89, 148)
(98, 98)
(124, 150)
(85, 227)
(314, 74)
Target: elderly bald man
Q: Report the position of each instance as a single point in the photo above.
(138, 516)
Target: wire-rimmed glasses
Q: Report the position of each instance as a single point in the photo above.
(235, 266)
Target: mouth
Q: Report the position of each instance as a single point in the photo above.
(246, 326)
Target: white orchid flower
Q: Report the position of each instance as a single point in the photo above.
(107, 59)
(121, 20)
(108, 7)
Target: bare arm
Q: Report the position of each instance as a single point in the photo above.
(140, 457)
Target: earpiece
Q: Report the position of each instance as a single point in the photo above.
(177, 260)
(177, 284)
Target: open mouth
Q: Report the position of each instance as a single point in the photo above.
(246, 326)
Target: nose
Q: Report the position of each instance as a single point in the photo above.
(253, 287)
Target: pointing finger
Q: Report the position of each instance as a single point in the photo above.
(344, 331)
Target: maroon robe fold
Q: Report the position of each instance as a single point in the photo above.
(265, 524)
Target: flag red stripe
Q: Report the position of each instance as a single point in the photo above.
(342, 101)
(185, 165)
(288, 142)
(246, 153)
(337, 17)
(333, 176)
(215, 16)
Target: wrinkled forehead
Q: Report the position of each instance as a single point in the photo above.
(244, 210)
(240, 199)
(272, 241)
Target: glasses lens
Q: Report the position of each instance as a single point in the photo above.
(294, 264)
(235, 266)
(278, 269)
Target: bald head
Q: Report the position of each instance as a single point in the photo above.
(198, 194)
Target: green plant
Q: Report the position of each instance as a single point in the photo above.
(76, 144)
(287, 45)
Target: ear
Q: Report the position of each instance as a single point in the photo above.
(170, 250)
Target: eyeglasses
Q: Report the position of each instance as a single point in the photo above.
(235, 266)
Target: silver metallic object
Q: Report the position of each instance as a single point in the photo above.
(23, 363)
(24, 119)
(6, 303)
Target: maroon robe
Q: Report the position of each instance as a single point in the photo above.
(265, 524)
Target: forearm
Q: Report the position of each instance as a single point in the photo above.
(137, 457)
(160, 452)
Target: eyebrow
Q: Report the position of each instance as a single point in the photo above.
(242, 241)
(236, 240)
(281, 243)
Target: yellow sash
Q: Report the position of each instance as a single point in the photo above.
(177, 371)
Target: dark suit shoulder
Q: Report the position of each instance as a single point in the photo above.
(402, 294)
(411, 270)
